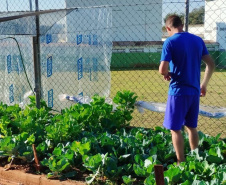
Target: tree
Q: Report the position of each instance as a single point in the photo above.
(196, 16)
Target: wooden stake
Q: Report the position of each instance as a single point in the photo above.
(37, 166)
(159, 175)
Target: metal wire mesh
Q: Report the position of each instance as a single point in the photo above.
(137, 33)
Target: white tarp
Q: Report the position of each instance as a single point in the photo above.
(75, 55)
(16, 70)
(76, 60)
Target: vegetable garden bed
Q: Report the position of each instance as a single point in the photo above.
(96, 143)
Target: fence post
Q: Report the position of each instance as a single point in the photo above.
(186, 18)
(37, 63)
(159, 175)
(30, 5)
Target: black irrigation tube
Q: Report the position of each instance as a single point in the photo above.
(22, 60)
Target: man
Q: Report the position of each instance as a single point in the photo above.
(182, 52)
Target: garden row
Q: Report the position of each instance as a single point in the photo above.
(92, 139)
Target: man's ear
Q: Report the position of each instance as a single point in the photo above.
(168, 28)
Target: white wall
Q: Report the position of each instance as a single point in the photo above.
(135, 22)
(215, 22)
(196, 29)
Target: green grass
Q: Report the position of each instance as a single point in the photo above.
(150, 86)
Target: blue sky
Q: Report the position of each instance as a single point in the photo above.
(23, 5)
(169, 6)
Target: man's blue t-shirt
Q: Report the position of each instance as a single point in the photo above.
(184, 51)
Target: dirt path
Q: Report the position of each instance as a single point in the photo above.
(16, 177)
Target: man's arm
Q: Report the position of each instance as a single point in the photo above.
(210, 66)
(164, 70)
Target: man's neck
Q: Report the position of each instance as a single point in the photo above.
(177, 30)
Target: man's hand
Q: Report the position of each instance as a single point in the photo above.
(167, 77)
(203, 90)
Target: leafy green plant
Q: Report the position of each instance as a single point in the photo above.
(19, 146)
(96, 139)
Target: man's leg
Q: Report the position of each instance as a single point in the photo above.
(191, 122)
(193, 137)
(178, 143)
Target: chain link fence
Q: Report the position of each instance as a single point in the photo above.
(100, 47)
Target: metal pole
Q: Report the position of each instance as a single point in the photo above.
(186, 19)
(37, 63)
(7, 6)
(30, 5)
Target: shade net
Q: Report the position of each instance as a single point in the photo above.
(75, 53)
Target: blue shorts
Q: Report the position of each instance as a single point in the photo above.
(181, 110)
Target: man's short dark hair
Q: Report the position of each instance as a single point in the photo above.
(174, 21)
